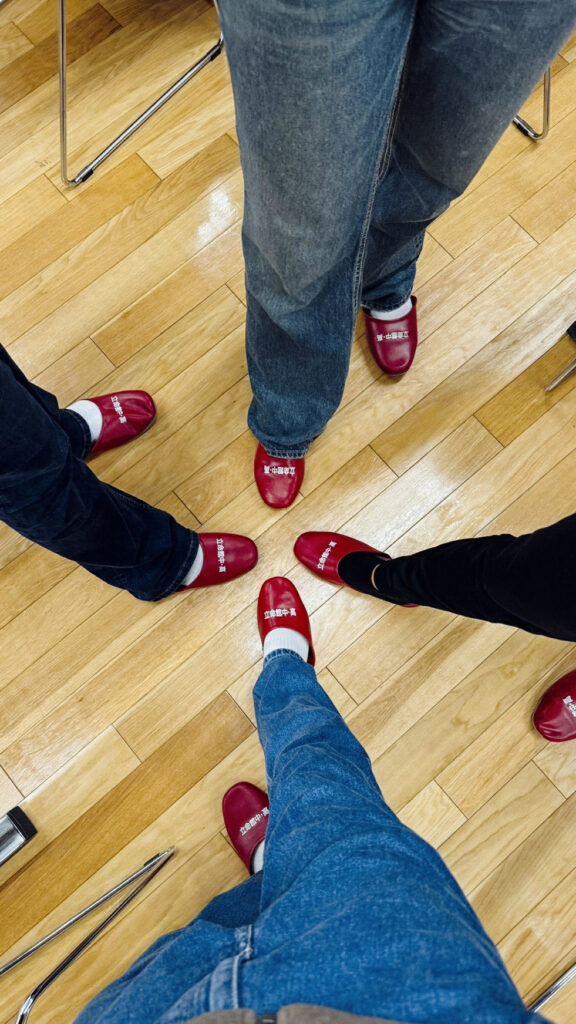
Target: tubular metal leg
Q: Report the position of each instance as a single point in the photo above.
(142, 876)
(556, 987)
(91, 167)
(527, 129)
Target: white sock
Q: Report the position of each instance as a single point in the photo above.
(195, 569)
(392, 314)
(90, 412)
(257, 862)
(286, 639)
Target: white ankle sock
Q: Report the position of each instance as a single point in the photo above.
(195, 569)
(257, 862)
(392, 314)
(286, 639)
(91, 413)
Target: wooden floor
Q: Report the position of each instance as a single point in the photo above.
(122, 723)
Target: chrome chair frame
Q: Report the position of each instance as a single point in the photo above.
(526, 128)
(554, 988)
(142, 877)
(89, 169)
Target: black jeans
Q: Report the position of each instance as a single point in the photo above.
(526, 581)
(50, 496)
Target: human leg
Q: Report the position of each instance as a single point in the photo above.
(50, 496)
(313, 100)
(521, 581)
(357, 912)
(469, 68)
(524, 581)
(33, 396)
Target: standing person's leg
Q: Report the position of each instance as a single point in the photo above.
(32, 396)
(50, 496)
(314, 85)
(524, 581)
(358, 913)
(470, 66)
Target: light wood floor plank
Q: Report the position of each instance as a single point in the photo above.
(70, 793)
(432, 815)
(528, 874)
(129, 807)
(532, 948)
(30, 254)
(37, 200)
(124, 233)
(13, 43)
(500, 825)
(479, 699)
(174, 296)
(10, 795)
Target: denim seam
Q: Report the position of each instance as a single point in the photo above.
(246, 953)
(384, 151)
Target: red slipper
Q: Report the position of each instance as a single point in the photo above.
(278, 480)
(321, 552)
(226, 556)
(393, 342)
(125, 415)
(555, 716)
(245, 809)
(280, 604)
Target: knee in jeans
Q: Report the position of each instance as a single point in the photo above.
(291, 269)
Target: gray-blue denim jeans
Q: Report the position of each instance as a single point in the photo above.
(352, 909)
(359, 122)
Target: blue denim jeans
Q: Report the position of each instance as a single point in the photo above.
(359, 122)
(352, 909)
(50, 496)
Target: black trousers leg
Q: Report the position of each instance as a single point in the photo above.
(527, 581)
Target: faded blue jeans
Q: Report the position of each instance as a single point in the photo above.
(359, 122)
(352, 909)
(49, 495)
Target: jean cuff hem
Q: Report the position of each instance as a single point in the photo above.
(283, 652)
(286, 453)
(377, 307)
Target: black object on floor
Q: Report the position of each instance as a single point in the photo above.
(15, 831)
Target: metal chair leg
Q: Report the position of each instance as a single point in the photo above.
(555, 987)
(142, 876)
(527, 129)
(89, 169)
